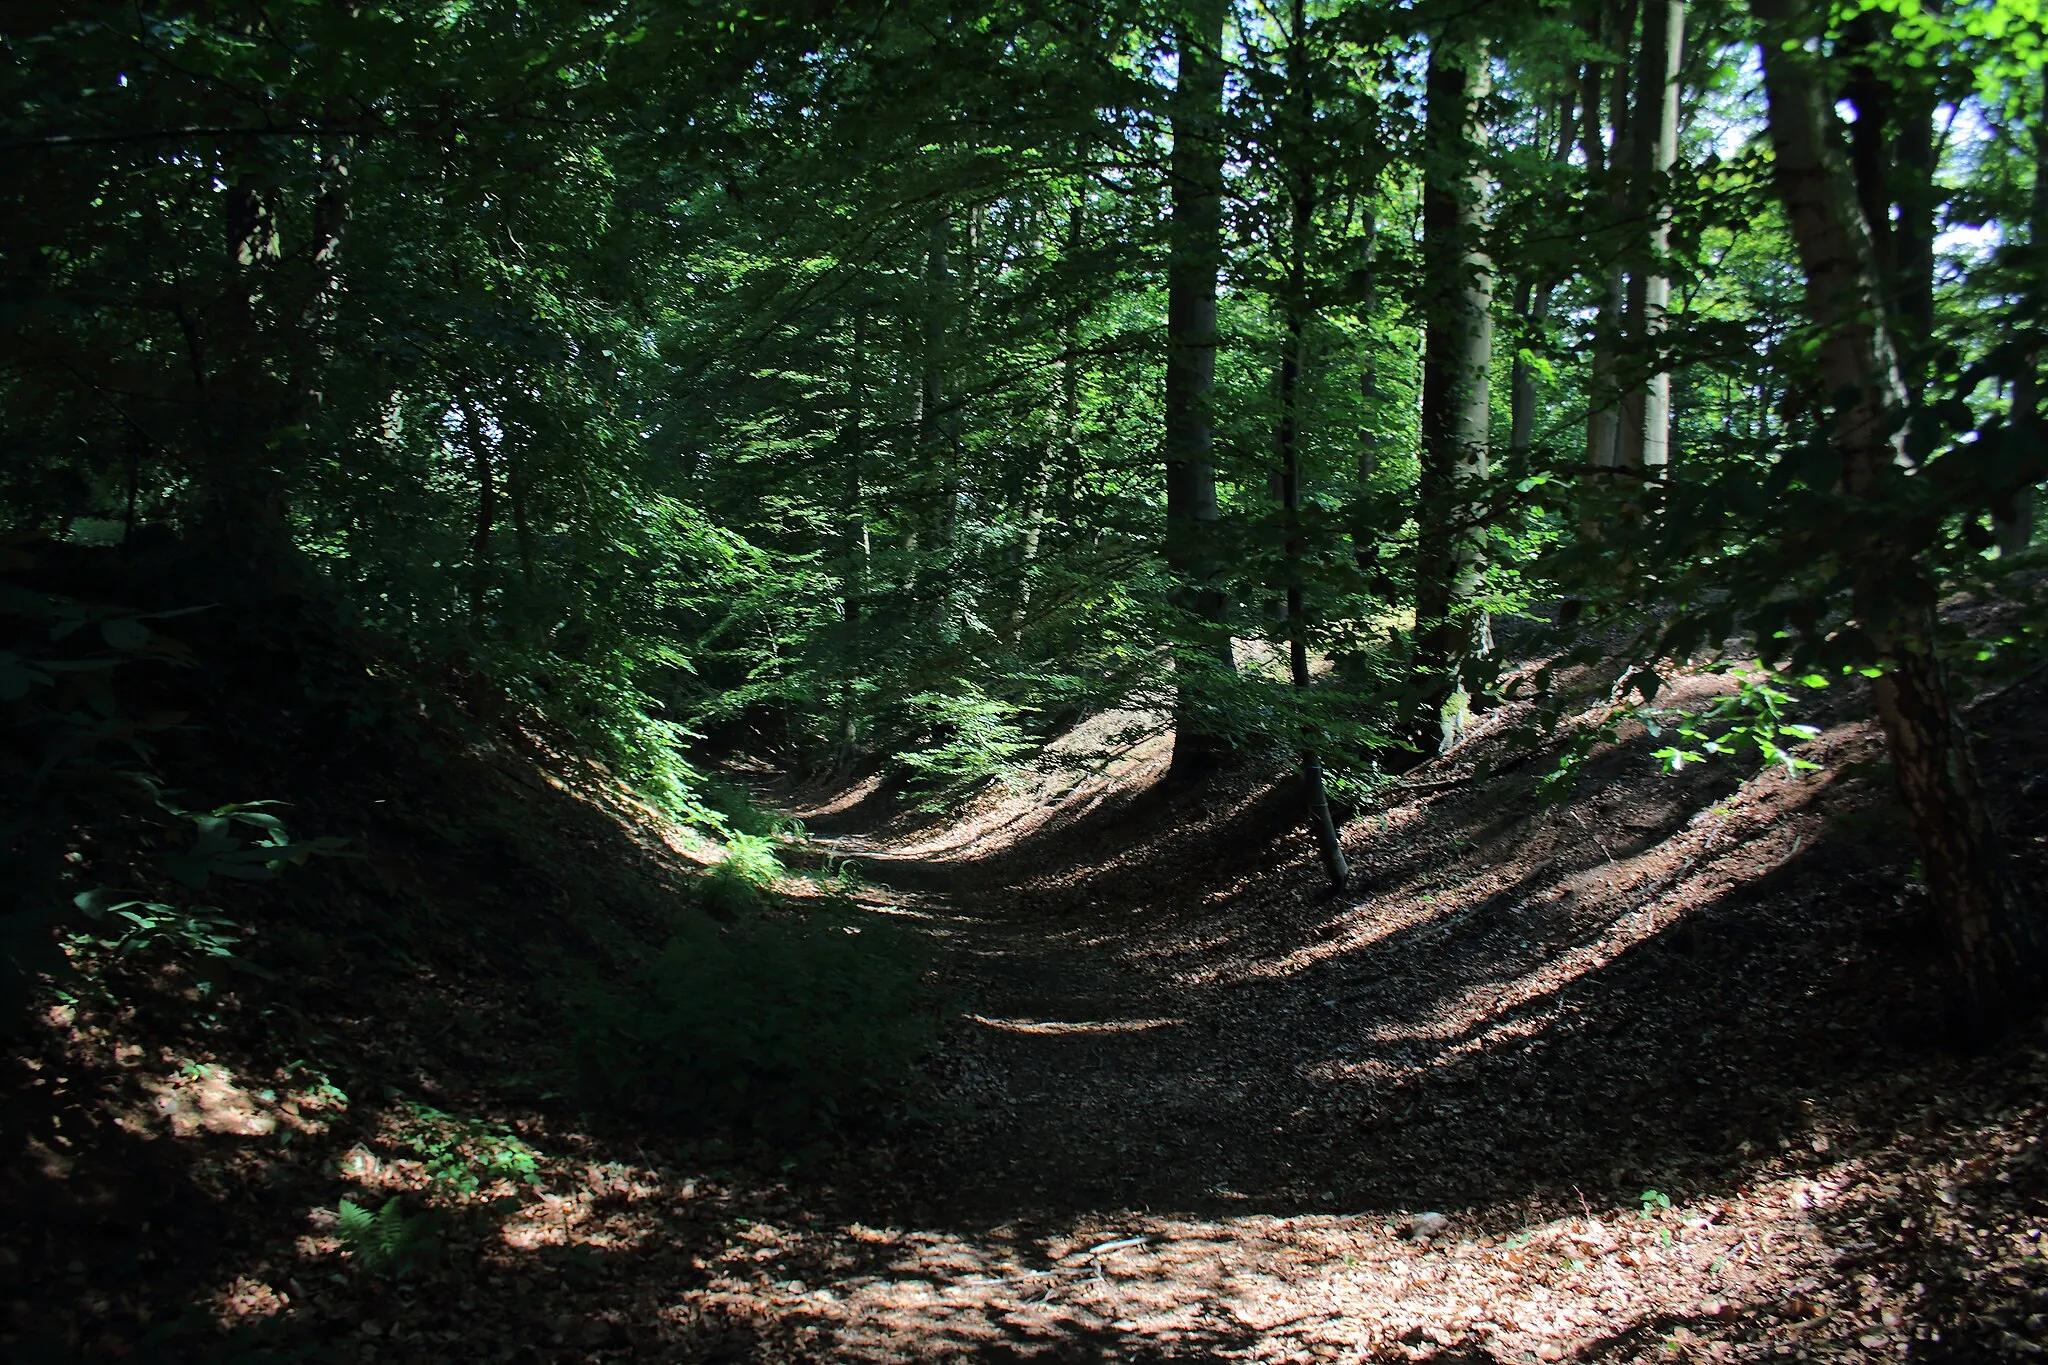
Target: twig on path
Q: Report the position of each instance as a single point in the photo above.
(1106, 1248)
(1432, 785)
(1598, 842)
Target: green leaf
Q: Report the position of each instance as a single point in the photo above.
(124, 633)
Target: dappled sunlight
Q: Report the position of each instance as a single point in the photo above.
(1358, 1283)
(1049, 1026)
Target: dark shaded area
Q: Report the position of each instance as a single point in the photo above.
(1294, 1071)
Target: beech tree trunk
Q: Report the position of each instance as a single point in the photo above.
(1991, 924)
(1450, 628)
(854, 536)
(1195, 255)
(1301, 194)
(1532, 309)
(2015, 521)
(244, 520)
(925, 537)
(1646, 411)
(486, 512)
(1604, 412)
(1061, 434)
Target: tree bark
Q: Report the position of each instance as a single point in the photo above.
(854, 538)
(1604, 398)
(244, 521)
(1301, 193)
(1532, 308)
(1450, 628)
(1992, 928)
(1646, 412)
(486, 512)
(1195, 256)
(1062, 432)
(925, 540)
(2014, 522)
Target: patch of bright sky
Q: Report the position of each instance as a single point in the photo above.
(1965, 137)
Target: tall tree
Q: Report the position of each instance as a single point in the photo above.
(1646, 411)
(1301, 189)
(1194, 261)
(1457, 287)
(1992, 925)
(1606, 167)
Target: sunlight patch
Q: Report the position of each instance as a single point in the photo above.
(1075, 1026)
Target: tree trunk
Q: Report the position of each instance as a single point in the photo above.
(1195, 257)
(1994, 936)
(1365, 536)
(1913, 233)
(854, 547)
(1301, 194)
(486, 512)
(924, 541)
(2014, 521)
(244, 520)
(1062, 433)
(518, 481)
(1646, 426)
(1532, 308)
(1604, 397)
(1450, 628)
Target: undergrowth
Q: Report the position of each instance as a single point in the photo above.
(778, 1026)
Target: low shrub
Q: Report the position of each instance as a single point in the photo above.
(775, 1027)
(736, 883)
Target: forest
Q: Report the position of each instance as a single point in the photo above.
(1163, 680)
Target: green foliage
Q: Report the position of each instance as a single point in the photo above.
(221, 849)
(1750, 718)
(736, 882)
(386, 1242)
(79, 768)
(734, 807)
(463, 1155)
(969, 738)
(138, 927)
(752, 858)
(776, 1026)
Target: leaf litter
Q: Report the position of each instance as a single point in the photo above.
(1655, 1074)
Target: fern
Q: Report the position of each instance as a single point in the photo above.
(385, 1242)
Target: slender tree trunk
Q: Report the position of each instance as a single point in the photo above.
(960, 344)
(1521, 374)
(486, 512)
(1994, 934)
(1646, 429)
(924, 540)
(1450, 628)
(1061, 433)
(1912, 234)
(854, 539)
(1604, 407)
(243, 515)
(1532, 308)
(2015, 521)
(1364, 535)
(518, 485)
(1301, 194)
(1194, 258)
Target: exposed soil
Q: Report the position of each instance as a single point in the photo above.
(1660, 1072)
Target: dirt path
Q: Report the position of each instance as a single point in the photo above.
(1654, 1074)
(1528, 1093)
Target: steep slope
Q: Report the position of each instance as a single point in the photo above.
(1655, 1072)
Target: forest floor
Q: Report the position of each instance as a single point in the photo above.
(1657, 1072)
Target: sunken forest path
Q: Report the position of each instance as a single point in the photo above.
(1636, 1077)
